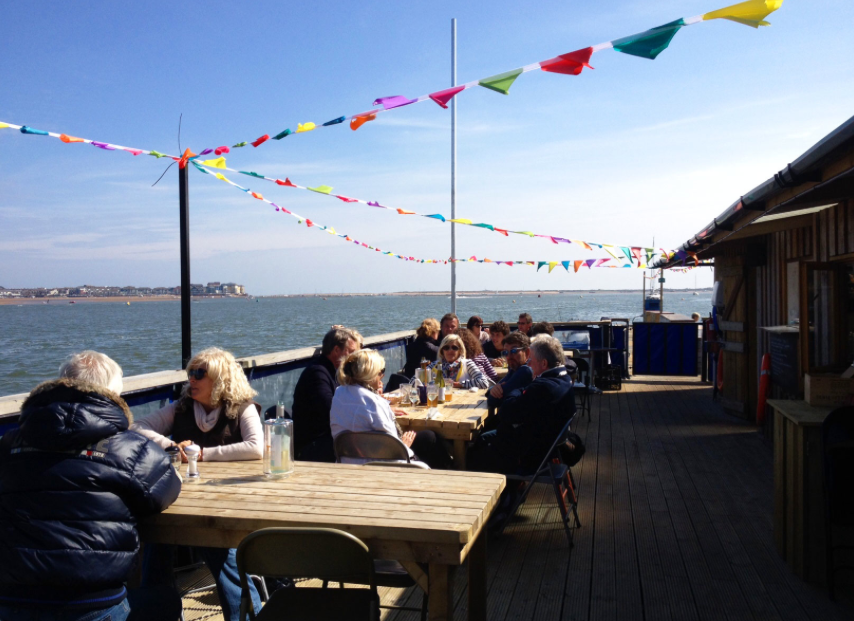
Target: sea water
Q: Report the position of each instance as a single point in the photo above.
(145, 337)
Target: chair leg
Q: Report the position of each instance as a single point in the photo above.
(574, 496)
(564, 513)
(518, 501)
(424, 607)
(828, 554)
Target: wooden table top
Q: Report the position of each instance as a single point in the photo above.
(800, 412)
(457, 420)
(402, 514)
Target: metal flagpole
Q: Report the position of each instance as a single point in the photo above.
(184, 217)
(453, 167)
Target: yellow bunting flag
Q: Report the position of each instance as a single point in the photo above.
(610, 250)
(4, 125)
(217, 163)
(552, 265)
(220, 176)
(460, 220)
(750, 13)
(307, 127)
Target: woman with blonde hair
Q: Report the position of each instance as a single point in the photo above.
(358, 406)
(216, 412)
(463, 371)
(425, 345)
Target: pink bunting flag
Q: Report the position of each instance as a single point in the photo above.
(569, 64)
(600, 262)
(221, 150)
(347, 199)
(443, 97)
(134, 151)
(395, 101)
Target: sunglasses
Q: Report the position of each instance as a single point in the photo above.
(451, 347)
(515, 350)
(382, 371)
(196, 374)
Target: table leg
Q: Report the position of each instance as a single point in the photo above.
(459, 454)
(477, 578)
(440, 596)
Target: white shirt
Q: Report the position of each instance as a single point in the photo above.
(358, 409)
(158, 425)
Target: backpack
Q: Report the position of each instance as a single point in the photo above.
(572, 450)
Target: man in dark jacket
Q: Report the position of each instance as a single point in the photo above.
(313, 397)
(530, 418)
(519, 375)
(73, 483)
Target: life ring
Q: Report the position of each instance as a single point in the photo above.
(764, 387)
(719, 371)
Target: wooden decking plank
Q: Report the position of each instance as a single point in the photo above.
(603, 597)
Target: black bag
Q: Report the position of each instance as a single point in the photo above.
(572, 450)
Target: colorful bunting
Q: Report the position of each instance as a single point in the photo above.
(261, 140)
(751, 13)
(443, 97)
(305, 127)
(321, 189)
(396, 101)
(651, 43)
(569, 64)
(357, 121)
(217, 163)
(340, 119)
(502, 82)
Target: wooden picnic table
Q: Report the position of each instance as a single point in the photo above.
(458, 421)
(425, 519)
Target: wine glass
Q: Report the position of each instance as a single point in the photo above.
(414, 397)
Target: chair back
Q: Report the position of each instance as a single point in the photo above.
(325, 553)
(418, 465)
(583, 373)
(371, 445)
(837, 436)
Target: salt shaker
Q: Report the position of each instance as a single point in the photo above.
(192, 453)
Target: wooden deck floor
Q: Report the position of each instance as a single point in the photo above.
(676, 512)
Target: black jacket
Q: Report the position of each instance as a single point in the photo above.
(73, 482)
(530, 418)
(421, 347)
(312, 402)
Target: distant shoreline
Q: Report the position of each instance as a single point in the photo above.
(55, 300)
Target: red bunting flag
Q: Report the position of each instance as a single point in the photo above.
(502, 231)
(309, 223)
(286, 182)
(261, 140)
(443, 97)
(569, 64)
(347, 199)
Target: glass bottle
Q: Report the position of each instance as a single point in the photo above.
(278, 446)
(440, 382)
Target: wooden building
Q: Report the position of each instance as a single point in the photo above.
(784, 255)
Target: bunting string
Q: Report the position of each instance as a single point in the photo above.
(647, 44)
(632, 253)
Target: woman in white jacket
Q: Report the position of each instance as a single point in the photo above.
(358, 406)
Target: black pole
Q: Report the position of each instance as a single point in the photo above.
(184, 193)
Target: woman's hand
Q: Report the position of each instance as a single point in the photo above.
(181, 446)
(407, 438)
(457, 385)
(399, 412)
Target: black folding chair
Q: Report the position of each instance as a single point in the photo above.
(584, 391)
(837, 439)
(551, 470)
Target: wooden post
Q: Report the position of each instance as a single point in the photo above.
(184, 219)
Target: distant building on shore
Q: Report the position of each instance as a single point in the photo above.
(97, 291)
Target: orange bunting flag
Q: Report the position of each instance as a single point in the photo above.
(182, 163)
(360, 119)
(286, 182)
(258, 196)
(577, 264)
(403, 212)
(581, 243)
(66, 139)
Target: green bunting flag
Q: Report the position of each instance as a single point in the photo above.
(502, 82)
(321, 189)
(650, 43)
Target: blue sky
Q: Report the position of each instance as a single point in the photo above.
(633, 150)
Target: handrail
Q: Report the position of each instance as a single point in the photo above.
(10, 405)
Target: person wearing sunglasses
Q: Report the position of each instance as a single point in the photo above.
(216, 411)
(464, 373)
(516, 351)
(358, 406)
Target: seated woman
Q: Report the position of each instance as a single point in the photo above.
(463, 371)
(425, 345)
(359, 406)
(475, 352)
(475, 324)
(217, 413)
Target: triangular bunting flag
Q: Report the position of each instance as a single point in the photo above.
(502, 82)
(403, 212)
(750, 13)
(502, 231)
(577, 264)
(340, 119)
(443, 97)
(651, 43)
(552, 265)
(63, 137)
(485, 226)
(627, 252)
(396, 101)
(540, 264)
(460, 220)
(259, 141)
(281, 135)
(589, 262)
(347, 199)
(565, 265)
(321, 189)
(569, 64)
(582, 243)
(437, 216)
(305, 127)
(360, 119)
(286, 182)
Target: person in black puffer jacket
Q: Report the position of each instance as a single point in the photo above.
(73, 483)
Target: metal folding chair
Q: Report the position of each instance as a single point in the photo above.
(371, 445)
(325, 553)
(551, 470)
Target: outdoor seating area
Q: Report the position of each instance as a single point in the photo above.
(675, 502)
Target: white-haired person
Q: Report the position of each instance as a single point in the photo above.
(73, 484)
(217, 413)
(358, 406)
(464, 373)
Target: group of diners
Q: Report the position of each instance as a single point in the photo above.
(78, 472)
